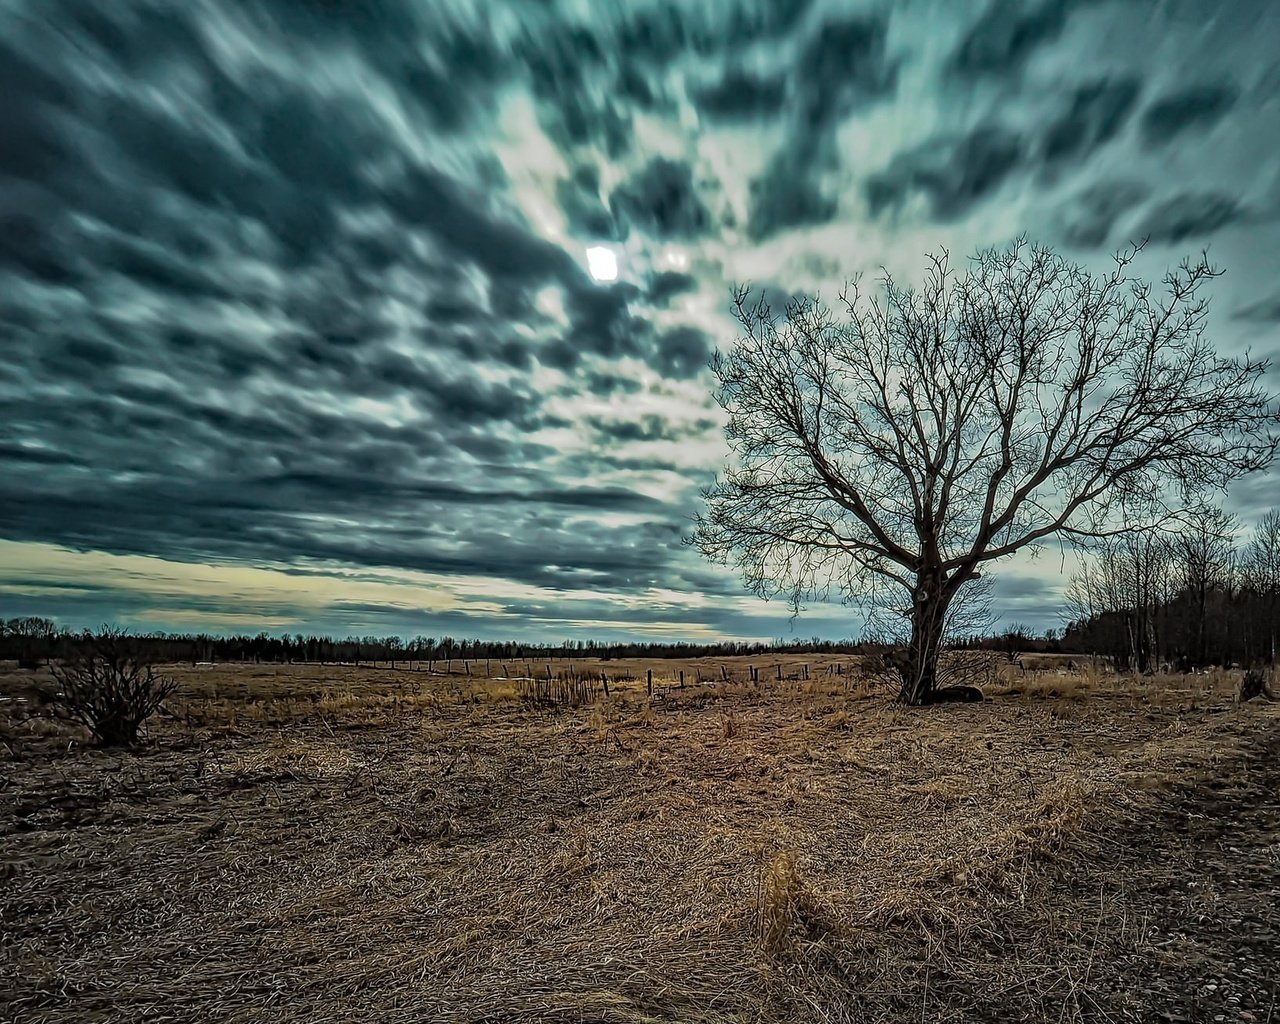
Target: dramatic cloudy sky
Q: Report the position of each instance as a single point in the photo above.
(296, 322)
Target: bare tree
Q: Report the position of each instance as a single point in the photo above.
(889, 455)
(1127, 576)
(1206, 552)
(1262, 569)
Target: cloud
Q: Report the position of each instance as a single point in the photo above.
(1194, 215)
(1006, 35)
(954, 172)
(666, 285)
(580, 199)
(683, 352)
(1088, 219)
(844, 64)
(1096, 113)
(1198, 105)
(740, 95)
(786, 196)
(663, 201)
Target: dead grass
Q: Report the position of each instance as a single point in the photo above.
(308, 843)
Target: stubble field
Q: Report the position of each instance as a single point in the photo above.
(327, 843)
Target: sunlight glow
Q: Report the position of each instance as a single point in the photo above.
(602, 262)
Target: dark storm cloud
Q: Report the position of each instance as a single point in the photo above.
(683, 352)
(1007, 34)
(663, 200)
(248, 255)
(954, 172)
(1194, 215)
(1088, 220)
(844, 64)
(458, 219)
(786, 196)
(740, 95)
(1095, 114)
(1200, 105)
(610, 384)
(667, 285)
(661, 32)
(648, 428)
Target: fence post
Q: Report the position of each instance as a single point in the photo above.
(604, 679)
(649, 682)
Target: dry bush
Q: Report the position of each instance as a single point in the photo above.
(111, 689)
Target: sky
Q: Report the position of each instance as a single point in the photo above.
(298, 327)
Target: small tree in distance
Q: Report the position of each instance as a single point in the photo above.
(892, 453)
(110, 687)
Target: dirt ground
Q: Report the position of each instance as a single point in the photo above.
(325, 843)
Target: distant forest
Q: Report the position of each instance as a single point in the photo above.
(32, 640)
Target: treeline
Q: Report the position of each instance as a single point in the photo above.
(32, 641)
(1192, 598)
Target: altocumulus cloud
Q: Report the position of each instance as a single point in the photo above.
(298, 288)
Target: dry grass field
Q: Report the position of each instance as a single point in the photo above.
(326, 843)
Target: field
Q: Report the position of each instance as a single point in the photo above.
(330, 843)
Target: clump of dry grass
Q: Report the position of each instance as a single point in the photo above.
(790, 912)
(730, 725)
(942, 792)
(779, 899)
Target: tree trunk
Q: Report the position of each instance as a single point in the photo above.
(919, 669)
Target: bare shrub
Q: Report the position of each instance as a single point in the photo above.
(111, 688)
